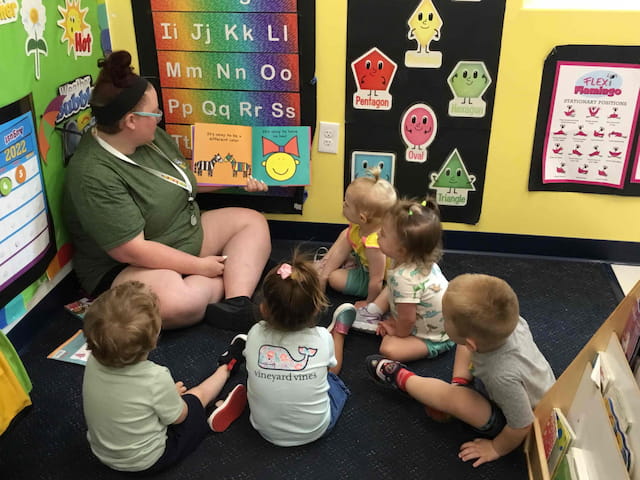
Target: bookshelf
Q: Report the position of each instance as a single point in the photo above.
(580, 399)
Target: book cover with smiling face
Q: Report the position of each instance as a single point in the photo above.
(228, 155)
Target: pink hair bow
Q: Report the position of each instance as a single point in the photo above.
(284, 271)
(291, 147)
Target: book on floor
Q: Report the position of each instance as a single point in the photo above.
(227, 155)
(74, 350)
(79, 307)
(557, 437)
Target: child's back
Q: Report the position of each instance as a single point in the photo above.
(293, 397)
(516, 375)
(287, 383)
(129, 406)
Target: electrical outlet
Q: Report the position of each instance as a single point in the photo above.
(328, 137)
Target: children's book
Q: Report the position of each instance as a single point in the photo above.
(227, 155)
(73, 350)
(563, 472)
(557, 438)
(580, 464)
(79, 307)
(619, 432)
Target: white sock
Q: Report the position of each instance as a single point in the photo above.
(373, 308)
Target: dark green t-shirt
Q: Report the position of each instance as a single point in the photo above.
(107, 202)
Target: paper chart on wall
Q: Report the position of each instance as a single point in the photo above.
(591, 123)
(24, 225)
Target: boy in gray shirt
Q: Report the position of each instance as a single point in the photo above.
(496, 359)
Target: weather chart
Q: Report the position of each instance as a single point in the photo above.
(591, 123)
(24, 226)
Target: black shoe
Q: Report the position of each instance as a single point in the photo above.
(383, 370)
(233, 356)
(236, 314)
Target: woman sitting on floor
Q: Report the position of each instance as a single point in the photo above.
(130, 208)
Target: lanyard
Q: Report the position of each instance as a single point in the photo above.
(184, 183)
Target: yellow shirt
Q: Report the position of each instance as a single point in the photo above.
(360, 243)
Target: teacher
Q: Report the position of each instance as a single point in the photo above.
(129, 205)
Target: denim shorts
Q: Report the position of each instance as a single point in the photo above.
(497, 420)
(338, 394)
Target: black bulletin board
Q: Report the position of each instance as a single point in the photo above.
(244, 26)
(470, 32)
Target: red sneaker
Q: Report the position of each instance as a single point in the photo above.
(230, 410)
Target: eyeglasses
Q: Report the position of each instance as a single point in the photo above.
(157, 114)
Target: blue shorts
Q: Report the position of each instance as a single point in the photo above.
(338, 394)
(183, 438)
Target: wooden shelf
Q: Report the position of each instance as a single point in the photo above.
(580, 399)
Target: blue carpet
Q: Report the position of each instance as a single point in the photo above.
(382, 434)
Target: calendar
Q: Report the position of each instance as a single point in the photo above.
(24, 225)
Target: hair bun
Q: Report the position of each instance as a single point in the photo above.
(118, 66)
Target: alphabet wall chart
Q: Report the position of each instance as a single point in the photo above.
(586, 130)
(421, 78)
(235, 62)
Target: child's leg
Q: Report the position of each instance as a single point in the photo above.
(382, 300)
(463, 403)
(229, 361)
(403, 349)
(338, 394)
(338, 345)
(343, 318)
(335, 257)
(211, 387)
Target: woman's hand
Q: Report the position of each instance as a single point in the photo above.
(212, 266)
(254, 185)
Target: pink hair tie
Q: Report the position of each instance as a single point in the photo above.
(284, 271)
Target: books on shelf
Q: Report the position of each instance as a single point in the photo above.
(629, 339)
(226, 155)
(73, 350)
(557, 437)
(79, 307)
(563, 472)
(619, 432)
(579, 463)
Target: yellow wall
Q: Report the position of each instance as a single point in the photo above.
(508, 207)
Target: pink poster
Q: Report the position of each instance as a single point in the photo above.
(591, 123)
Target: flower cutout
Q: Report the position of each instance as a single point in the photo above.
(34, 19)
